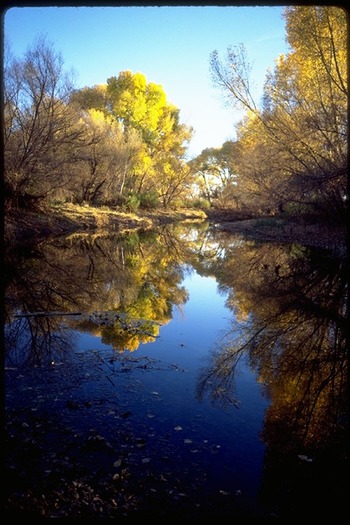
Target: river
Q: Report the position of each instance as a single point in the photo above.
(182, 372)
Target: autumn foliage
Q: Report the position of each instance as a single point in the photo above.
(292, 149)
(122, 143)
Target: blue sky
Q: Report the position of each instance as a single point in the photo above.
(169, 45)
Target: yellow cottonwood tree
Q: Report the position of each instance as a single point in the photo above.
(300, 133)
(143, 107)
(136, 103)
(151, 131)
(308, 100)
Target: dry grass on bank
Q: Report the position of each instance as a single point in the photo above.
(68, 218)
(90, 217)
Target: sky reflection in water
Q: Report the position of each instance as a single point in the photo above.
(231, 432)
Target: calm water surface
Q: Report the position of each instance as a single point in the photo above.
(209, 367)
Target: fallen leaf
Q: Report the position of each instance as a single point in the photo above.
(305, 458)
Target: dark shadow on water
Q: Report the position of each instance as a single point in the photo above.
(291, 307)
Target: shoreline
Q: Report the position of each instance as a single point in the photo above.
(32, 227)
(290, 231)
(26, 226)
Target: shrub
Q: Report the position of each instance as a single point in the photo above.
(132, 202)
(149, 200)
(201, 204)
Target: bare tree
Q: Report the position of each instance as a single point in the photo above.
(42, 133)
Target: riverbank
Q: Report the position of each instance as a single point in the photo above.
(67, 218)
(25, 226)
(293, 230)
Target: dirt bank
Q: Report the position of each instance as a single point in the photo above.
(291, 230)
(23, 226)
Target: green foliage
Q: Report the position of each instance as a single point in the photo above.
(297, 251)
(132, 240)
(201, 204)
(177, 204)
(149, 200)
(132, 202)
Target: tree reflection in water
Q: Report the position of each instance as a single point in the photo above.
(138, 275)
(291, 316)
(36, 341)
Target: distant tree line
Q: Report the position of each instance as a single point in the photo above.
(122, 144)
